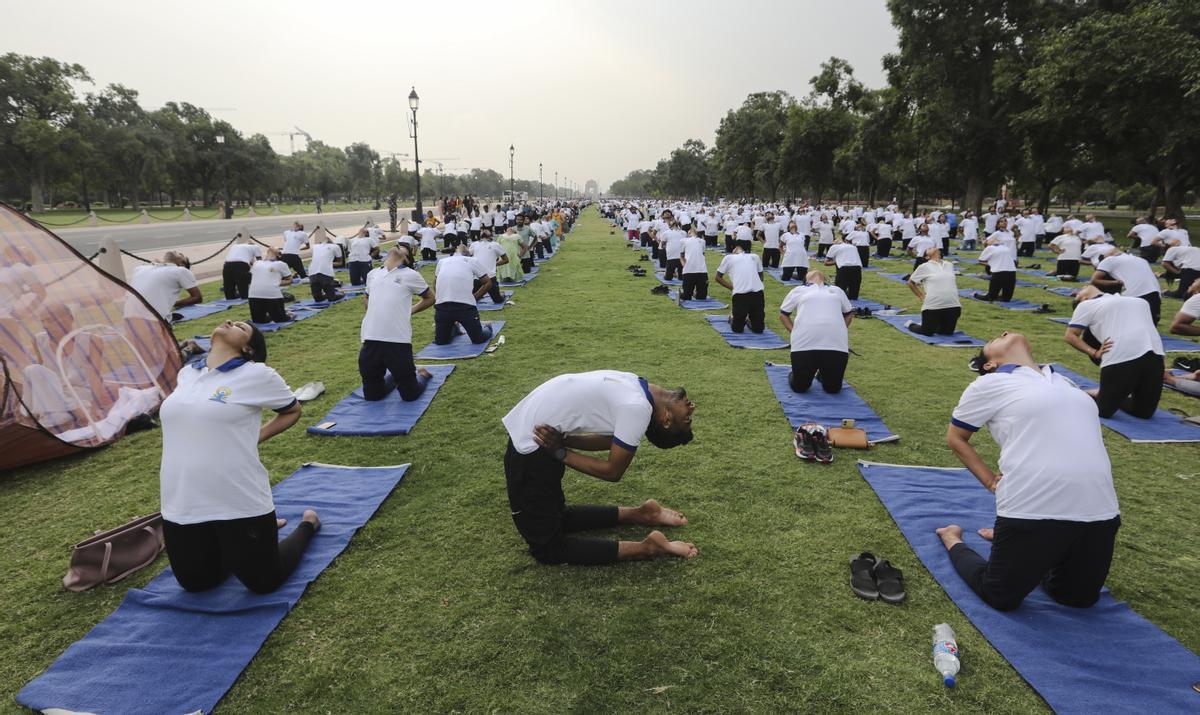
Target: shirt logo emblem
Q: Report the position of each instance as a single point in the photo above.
(221, 395)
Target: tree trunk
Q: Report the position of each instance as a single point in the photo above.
(974, 196)
(1044, 196)
(83, 191)
(1174, 190)
(36, 185)
(1159, 199)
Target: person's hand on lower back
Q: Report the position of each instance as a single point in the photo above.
(548, 438)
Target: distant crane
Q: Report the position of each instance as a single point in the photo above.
(292, 138)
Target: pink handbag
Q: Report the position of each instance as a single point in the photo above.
(111, 555)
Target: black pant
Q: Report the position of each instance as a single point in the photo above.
(849, 279)
(1150, 253)
(1026, 248)
(1134, 386)
(918, 261)
(539, 250)
(323, 289)
(1187, 277)
(695, 285)
(493, 291)
(830, 365)
(542, 517)
(359, 271)
(1001, 285)
(800, 271)
(268, 310)
(710, 240)
(941, 321)
(946, 245)
(447, 315)
(864, 255)
(377, 358)
(203, 555)
(1155, 301)
(770, 257)
(730, 244)
(674, 265)
(822, 248)
(748, 306)
(293, 261)
(236, 276)
(883, 247)
(746, 246)
(428, 254)
(1066, 267)
(1070, 559)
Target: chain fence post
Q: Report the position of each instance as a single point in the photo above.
(110, 260)
(92, 220)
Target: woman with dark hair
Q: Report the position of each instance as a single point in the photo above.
(218, 514)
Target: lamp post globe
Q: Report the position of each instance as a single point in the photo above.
(512, 195)
(413, 102)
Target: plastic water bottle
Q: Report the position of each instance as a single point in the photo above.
(945, 653)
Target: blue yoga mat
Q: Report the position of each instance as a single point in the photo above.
(797, 276)
(706, 304)
(303, 310)
(1063, 290)
(662, 278)
(1162, 427)
(1020, 282)
(1014, 304)
(486, 303)
(818, 406)
(165, 650)
(356, 417)
(1170, 343)
(898, 277)
(1103, 659)
(766, 340)
(516, 284)
(460, 347)
(958, 340)
(201, 310)
(867, 303)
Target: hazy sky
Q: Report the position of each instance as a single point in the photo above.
(591, 90)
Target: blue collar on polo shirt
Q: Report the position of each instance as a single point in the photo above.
(646, 389)
(1012, 366)
(228, 365)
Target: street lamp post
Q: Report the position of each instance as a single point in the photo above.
(512, 195)
(556, 186)
(413, 101)
(540, 197)
(225, 161)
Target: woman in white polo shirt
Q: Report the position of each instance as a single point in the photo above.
(695, 269)
(935, 284)
(819, 333)
(1056, 510)
(386, 332)
(1000, 261)
(359, 259)
(267, 278)
(218, 515)
(321, 272)
(1069, 249)
(849, 267)
(795, 253)
(1117, 331)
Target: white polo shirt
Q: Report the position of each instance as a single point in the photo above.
(389, 304)
(844, 255)
(1183, 257)
(243, 253)
(1123, 319)
(744, 271)
(693, 255)
(970, 228)
(937, 279)
(1070, 245)
(744, 233)
(321, 262)
(1145, 232)
(771, 233)
(455, 280)
(428, 236)
(919, 245)
(210, 469)
(999, 259)
(1169, 233)
(794, 255)
(1191, 307)
(293, 241)
(1004, 238)
(160, 284)
(673, 241)
(1052, 455)
(604, 402)
(360, 249)
(486, 254)
(820, 322)
(266, 278)
(1133, 271)
(1096, 252)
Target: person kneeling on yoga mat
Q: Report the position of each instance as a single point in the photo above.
(385, 361)
(267, 278)
(218, 514)
(603, 410)
(820, 339)
(1056, 510)
(935, 285)
(745, 271)
(456, 278)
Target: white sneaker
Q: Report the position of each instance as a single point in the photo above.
(310, 391)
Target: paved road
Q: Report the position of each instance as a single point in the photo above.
(149, 237)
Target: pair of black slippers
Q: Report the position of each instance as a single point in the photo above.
(876, 580)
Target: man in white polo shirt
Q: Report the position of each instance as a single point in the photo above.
(744, 271)
(1056, 509)
(820, 338)
(603, 410)
(1132, 276)
(321, 272)
(672, 241)
(160, 284)
(1069, 249)
(1145, 238)
(235, 274)
(1181, 263)
(489, 254)
(1002, 269)
(695, 269)
(1184, 322)
(456, 279)
(387, 330)
(1128, 346)
(935, 284)
(846, 257)
(294, 241)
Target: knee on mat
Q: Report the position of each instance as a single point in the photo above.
(485, 335)
(832, 389)
(1074, 600)
(260, 585)
(1003, 603)
(548, 554)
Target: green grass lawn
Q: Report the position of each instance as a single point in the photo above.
(436, 606)
(56, 218)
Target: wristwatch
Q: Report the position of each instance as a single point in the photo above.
(560, 454)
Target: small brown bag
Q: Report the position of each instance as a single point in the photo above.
(848, 438)
(111, 555)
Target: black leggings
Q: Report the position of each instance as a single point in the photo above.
(447, 315)
(323, 289)
(941, 321)
(770, 257)
(849, 279)
(1026, 248)
(1134, 386)
(203, 555)
(1001, 285)
(830, 365)
(428, 254)
(493, 291)
(543, 519)
(293, 261)
(236, 278)
(268, 310)
(800, 271)
(1070, 559)
(748, 307)
(695, 285)
(883, 247)
(1067, 267)
(674, 265)
(377, 358)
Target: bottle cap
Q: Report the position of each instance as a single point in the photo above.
(949, 681)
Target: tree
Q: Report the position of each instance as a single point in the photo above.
(129, 140)
(748, 142)
(36, 103)
(635, 184)
(361, 163)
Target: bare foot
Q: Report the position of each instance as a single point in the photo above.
(424, 373)
(660, 545)
(651, 513)
(280, 523)
(986, 534)
(311, 517)
(950, 535)
(1168, 378)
